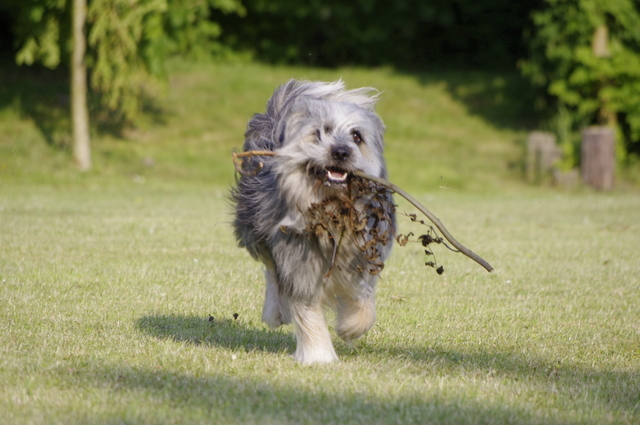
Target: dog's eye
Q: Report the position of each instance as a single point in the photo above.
(357, 137)
(318, 136)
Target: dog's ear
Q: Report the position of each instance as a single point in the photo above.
(292, 120)
(377, 129)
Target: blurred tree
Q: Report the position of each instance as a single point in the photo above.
(584, 56)
(128, 41)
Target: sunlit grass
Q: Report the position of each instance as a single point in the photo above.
(434, 122)
(107, 296)
(118, 288)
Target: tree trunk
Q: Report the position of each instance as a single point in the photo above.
(79, 112)
(598, 157)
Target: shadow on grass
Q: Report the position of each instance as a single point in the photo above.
(176, 397)
(227, 333)
(614, 391)
(503, 99)
(40, 94)
(43, 95)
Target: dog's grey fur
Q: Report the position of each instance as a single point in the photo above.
(312, 126)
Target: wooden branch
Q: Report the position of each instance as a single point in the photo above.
(463, 249)
(238, 158)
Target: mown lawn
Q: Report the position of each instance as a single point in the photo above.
(460, 129)
(106, 298)
(118, 288)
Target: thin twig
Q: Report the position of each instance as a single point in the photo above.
(237, 161)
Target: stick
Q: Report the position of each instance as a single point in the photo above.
(463, 249)
(237, 161)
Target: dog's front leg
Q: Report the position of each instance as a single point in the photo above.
(300, 272)
(313, 341)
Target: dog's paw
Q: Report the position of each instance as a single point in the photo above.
(315, 356)
(272, 321)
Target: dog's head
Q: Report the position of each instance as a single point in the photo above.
(323, 140)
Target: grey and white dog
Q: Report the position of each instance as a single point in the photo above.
(321, 133)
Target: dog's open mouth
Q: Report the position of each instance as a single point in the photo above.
(332, 175)
(336, 175)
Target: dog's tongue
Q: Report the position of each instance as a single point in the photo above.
(336, 175)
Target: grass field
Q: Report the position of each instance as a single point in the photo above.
(434, 121)
(108, 280)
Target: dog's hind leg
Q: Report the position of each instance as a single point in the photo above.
(313, 341)
(272, 310)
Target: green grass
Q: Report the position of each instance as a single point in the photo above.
(106, 297)
(108, 279)
(434, 121)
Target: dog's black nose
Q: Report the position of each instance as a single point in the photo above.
(340, 153)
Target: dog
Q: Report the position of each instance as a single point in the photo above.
(320, 133)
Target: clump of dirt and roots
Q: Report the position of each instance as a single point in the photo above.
(365, 211)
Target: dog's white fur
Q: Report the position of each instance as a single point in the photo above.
(321, 134)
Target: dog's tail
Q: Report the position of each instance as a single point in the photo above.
(259, 130)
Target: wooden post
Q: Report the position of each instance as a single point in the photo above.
(542, 154)
(598, 157)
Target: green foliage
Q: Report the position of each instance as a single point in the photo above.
(406, 33)
(596, 85)
(116, 33)
(128, 41)
(42, 27)
(563, 125)
(189, 28)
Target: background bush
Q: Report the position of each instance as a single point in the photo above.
(404, 33)
(592, 85)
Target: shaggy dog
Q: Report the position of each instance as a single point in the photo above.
(290, 211)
